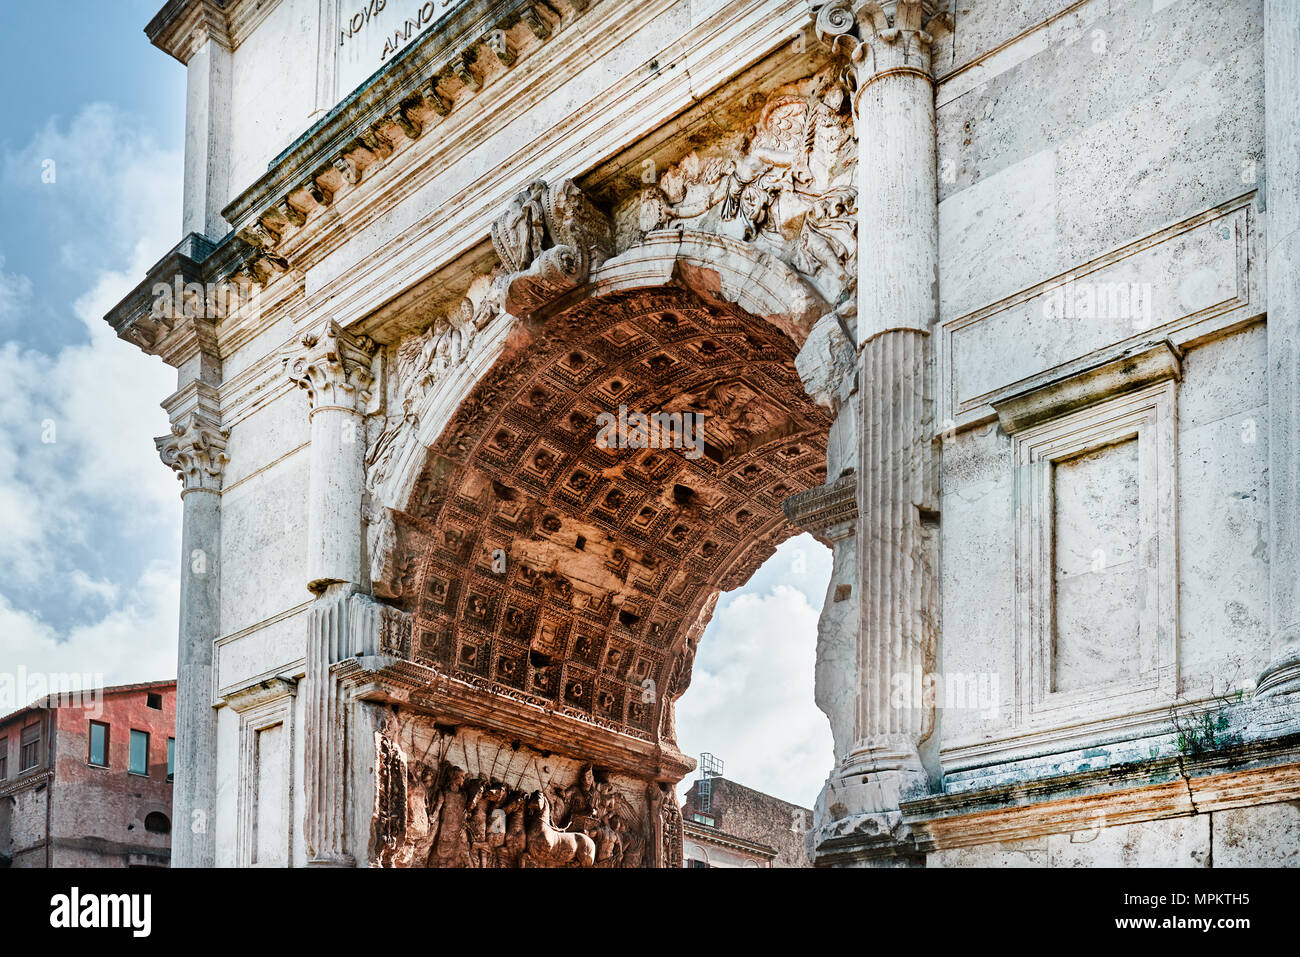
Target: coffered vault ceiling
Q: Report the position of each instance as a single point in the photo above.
(607, 560)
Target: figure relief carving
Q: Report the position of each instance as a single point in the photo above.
(548, 240)
(787, 184)
(439, 815)
(422, 361)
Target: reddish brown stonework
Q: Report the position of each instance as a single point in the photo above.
(745, 823)
(64, 811)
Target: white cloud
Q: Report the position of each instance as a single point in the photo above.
(135, 641)
(102, 588)
(80, 482)
(15, 291)
(114, 191)
(751, 696)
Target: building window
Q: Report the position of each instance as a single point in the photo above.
(30, 754)
(171, 758)
(154, 701)
(98, 744)
(4, 758)
(139, 752)
(156, 822)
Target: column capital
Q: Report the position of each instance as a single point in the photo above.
(881, 37)
(196, 451)
(333, 367)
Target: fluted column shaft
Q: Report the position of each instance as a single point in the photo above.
(335, 370)
(1282, 182)
(196, 450)
(888, 45)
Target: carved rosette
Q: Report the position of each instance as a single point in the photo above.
(196, 451)
(334, 368)
(893, 36)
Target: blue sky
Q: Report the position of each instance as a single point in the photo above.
(91, 133)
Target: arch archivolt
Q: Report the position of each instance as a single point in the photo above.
(532, 566)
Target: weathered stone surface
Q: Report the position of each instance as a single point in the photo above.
(1263, 836)
(1000, 307)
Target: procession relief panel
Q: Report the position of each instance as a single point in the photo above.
(623, 460)
(454, 797)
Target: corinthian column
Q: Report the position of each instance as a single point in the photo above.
(196, 450)
(887, 46)
(1282, 179)
(334, 369)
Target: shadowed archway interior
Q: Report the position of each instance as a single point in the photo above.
(555, 571)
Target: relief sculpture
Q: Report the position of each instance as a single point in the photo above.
(788, 184)
(436, 814)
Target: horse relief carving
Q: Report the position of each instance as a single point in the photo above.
(442, 816)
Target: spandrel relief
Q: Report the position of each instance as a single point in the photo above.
(788, 184)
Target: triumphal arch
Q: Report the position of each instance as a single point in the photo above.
(509, 333)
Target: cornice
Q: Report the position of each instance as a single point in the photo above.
(154, 319)
(416, 91)
(710, 835)
(261, 693)
(1248, 773)
(182, 26)
(1138, 366)
(26, 781)
(821, 509)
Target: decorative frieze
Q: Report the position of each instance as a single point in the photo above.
(787, 184)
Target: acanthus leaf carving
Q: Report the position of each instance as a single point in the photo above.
(334, 368)
(877, 36)
(196, 451)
